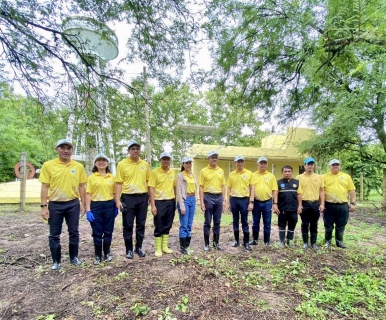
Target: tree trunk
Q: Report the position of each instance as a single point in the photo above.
(384, 190)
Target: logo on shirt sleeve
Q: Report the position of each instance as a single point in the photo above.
(294, 185)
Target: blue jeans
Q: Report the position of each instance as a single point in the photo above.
(239, 207)
(186, 220)
(262, 208)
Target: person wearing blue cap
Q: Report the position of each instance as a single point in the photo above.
(241, 194)
(312, 202)
(132, 198)
(100, 207)
(162, 188)
(212, 193)
(63, 183)
(186, 202)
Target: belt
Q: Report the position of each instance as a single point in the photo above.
(310, 201)
(134, 194)
(336, 202)
(263, 200)
(190, 194)
(213, 194)
(166, 200)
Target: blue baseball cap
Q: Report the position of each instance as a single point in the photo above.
(334, 161)
(64, 141)
(308, 160)
(133, 143)
(212, 153)
(101, 156)
(237, 158)
(165, 155)
(187, 159)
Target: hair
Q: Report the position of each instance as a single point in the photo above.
(286, 167)
(95, 169)
(182, 168)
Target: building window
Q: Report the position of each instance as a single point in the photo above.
(301, 169)
(273, 169)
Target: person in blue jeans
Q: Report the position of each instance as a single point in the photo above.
(186, 202)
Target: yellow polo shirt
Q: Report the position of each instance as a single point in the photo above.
(212, 179)
(163, 182)
(239, 183)
(311, 186)
(265, 183)
(101, 187)
(133, 176)
(64, 179)
(191, 183)
(337, 187)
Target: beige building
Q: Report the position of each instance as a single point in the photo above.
(280, 150)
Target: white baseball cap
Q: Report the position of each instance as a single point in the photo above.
(261, 159)
(237, 158)
(187, 159)
(334, 161)
(64, 141)
(165, 155)
(212, 153)
(101, 156)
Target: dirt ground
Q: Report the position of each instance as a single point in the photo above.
(116, 290)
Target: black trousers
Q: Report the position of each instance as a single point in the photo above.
(136, 206)
(59, 211)
(163, 221)
(310, 216)
(213, 210)
(104, 218)
(288, 217)
(335, 213)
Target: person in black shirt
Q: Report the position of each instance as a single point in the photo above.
(289, 204)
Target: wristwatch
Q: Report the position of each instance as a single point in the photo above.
(353, 203)
(43, 205)
(251, 202)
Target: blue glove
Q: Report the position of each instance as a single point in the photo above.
(90, 216)
(116, 212)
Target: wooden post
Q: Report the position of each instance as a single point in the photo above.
(23, 179)
(361, 187)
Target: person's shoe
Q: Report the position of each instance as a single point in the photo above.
(314, 246)
(289, 244)
(138, 246)
(255, 238)
(246, 241)
(188, 239)
(56, 258)
(183, 248)
(236, 243)
(305, 240)
(129, 248)
(206, 241)
(216, 238)
(73, 248)
(140, 252)
(158, 246)
(339, 239)
(267, 236)
(98, 254)
(340, 244)
(328, 236)
(281, 238)
(314, 236)
(106, 251)
(328, 243)
(165, 241)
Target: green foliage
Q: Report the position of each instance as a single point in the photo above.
(183, 305)
(139, 309)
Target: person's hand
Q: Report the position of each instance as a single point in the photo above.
(275, 209)
(183, 211)
(90, 216)
(250, 207)
(116, 212)
(82, 211)
(118, 204)
(321, 208)
(300, 210)
(45, 213)
(123, 208)
(352, 207)
(203, 207)
(154, 211)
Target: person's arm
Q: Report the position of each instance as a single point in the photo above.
(152, 201)
(117, 195)
(353, 198)
(88, 202)
(275, 207)
(251, 197)
(299, 198)
(202, 198)
(322, 199)
(224, 194)
(179, 195)
(82, 192)
(43, 200)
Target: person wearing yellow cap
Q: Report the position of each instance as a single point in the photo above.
(240, 199)
(162, 187)
(186, 202)
(312, 202)
(132, 198)
(265, 191)
(340, 196)
(100, 207)
(63, 183)
(212, 193)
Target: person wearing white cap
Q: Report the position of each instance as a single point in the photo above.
(63, 183)
(265, 191)
(240, 198)
(100, 207)
(186, 202)
(339, 191)
(312, 202)
(132, 198)
(162, 187)
(212, 193)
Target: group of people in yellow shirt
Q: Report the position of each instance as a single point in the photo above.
(134, 187)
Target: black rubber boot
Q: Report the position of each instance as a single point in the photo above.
(183, 246)
(267, 237)
(255, 239)
(281, 238)
(290, 238)
(206, 239)
(246, 241)
(98, 254)
(236, 243)
(216, 239)
(129, 248)
(138, 247)
(339, 239)
(305, 240)
(56, 254)
(188, 239)
(328, 236)
(106, 251)
(314, 236)
(73, 248)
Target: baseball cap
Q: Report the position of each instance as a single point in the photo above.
(261, 159)
(212, 153)
(165, 154)
(308, 160)
(101, 156)
(333, 161)
(237, 158)
(64, 141)
(133, 143)
(187, 159)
